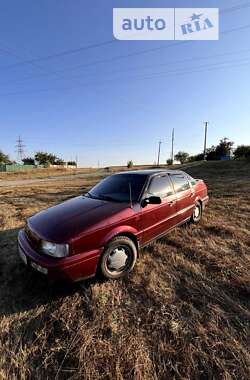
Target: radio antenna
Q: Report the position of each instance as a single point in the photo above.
(130, 195)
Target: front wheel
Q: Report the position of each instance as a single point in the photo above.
(119, 258)
(197, 213)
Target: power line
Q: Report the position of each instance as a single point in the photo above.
(46, 72)
(235, 8)
(155, 75)
(206, 57)
(32, 61)
(107, 42)
(191, 70)
(81, 84)
(57, 55)
(34, 64)
(238, 52)
(225, 32)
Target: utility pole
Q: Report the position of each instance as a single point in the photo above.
(159, 153)
(172, 148)
(19, 149)
(205, 141)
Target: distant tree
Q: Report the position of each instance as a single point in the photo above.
(4, 158)
(71, 163)
(169, 161)
(44, 158)
(211, 154)
(59, 162)
(182, 157)
(28, 161)
(242, 151)
(130, 164)
(196, 157)
(224, 148)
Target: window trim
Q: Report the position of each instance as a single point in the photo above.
(160, 175)
(184, 176)
(191, 179)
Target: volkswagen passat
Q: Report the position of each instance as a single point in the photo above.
(105, 228)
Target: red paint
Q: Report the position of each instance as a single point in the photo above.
(87, 225)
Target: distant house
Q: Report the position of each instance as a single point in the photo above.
(226, 158)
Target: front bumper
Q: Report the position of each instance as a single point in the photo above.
(72, 268)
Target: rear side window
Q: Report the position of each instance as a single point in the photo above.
(191, 180)
(180, 183)
(161, 186)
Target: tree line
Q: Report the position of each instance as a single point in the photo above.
(40, 158)
(216, 152)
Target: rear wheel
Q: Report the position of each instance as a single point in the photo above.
(119, 258)
(197, 213)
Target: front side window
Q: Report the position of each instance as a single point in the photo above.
(161, 186)
(180, 183)
(117, 188)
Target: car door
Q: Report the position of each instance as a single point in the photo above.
(185, 196)
(157, 219)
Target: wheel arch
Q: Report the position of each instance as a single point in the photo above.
(127, 231)
(199, 200)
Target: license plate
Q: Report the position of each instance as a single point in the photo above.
(22, 255)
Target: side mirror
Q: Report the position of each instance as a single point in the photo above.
(153, 200)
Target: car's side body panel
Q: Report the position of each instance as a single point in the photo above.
(125, 221)
(155, 219)
(185, 204)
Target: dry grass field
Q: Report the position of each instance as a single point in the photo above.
(42, 173)
(184, 313)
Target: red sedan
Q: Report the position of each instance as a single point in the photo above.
(105, 228)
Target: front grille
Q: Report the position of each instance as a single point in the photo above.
(34, 240)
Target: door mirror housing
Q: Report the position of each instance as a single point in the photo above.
(152, 200)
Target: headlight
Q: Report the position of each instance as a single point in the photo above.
(55, 250)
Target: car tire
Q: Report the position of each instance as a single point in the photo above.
(119, 258)
(197, 213)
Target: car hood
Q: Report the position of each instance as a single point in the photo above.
(67, 220)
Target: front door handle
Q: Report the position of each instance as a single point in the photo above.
(171, 203)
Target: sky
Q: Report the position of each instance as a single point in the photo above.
(68, 87)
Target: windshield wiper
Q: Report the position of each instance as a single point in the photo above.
(89, 195)
(102, 198)
(108, 198)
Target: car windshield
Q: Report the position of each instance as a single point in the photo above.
(117, 188)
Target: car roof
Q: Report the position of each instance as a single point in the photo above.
(150, 172)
